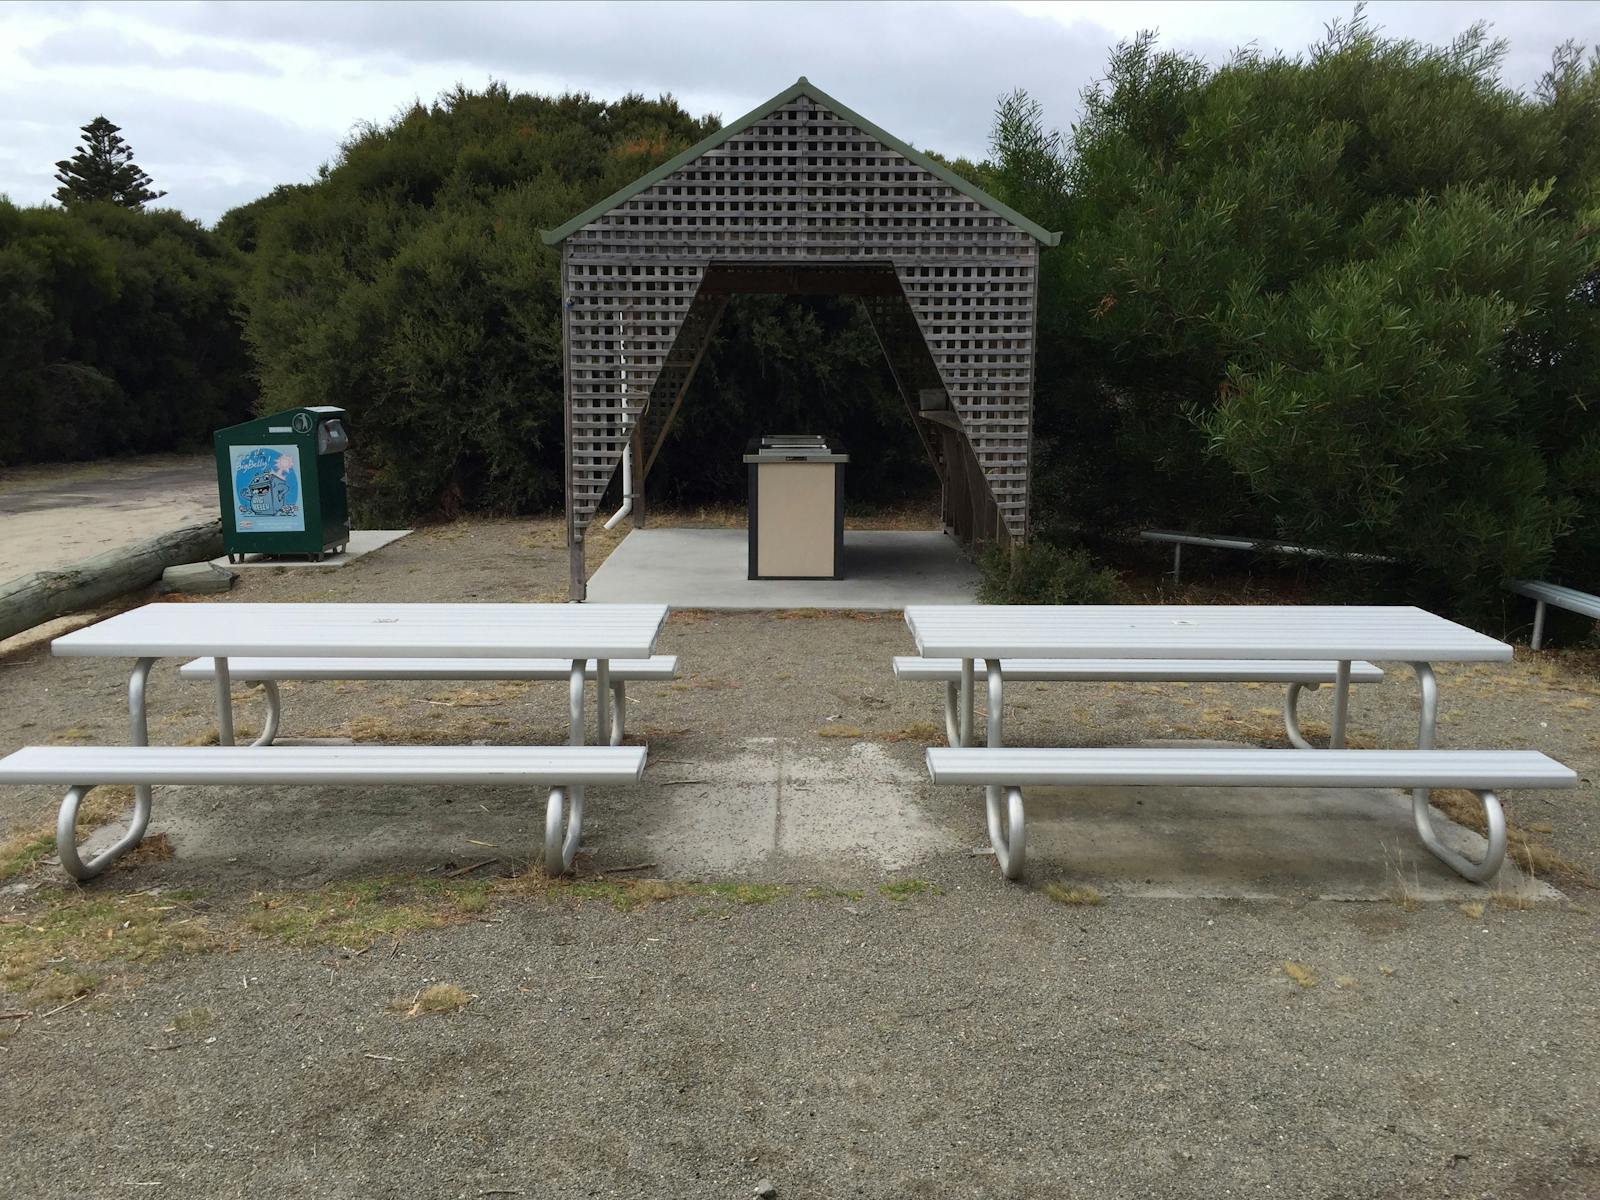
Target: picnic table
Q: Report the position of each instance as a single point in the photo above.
(577, 633)
(1341, 633)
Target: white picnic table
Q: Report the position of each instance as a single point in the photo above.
(578, 633)
(1343, 633)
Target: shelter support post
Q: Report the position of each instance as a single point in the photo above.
(579, 585)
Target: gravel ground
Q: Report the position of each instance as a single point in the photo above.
(851, 1033)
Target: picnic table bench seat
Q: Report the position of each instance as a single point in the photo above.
(269, 672)
(1483, 772)
(1543, 594)
(566, 769)
(1296, 675)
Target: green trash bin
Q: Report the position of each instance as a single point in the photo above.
(282, 484)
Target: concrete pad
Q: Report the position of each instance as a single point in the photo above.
(790, 809)
(707, 568)
(197, 579)
(362, 542)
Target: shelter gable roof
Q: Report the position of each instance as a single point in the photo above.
(802, 87)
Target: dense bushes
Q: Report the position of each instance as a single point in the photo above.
(1346, 299)
(1042, 573)
(410, 285)
(116, 333)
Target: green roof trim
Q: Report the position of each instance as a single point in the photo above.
(802, 88)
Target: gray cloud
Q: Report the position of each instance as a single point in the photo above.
(106, 46)
(931, 73)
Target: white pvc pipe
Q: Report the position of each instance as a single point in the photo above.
(627, 486)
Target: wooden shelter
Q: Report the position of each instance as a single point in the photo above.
(804, 196)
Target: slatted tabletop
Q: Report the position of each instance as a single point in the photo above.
(375, 630)
(1186, 631)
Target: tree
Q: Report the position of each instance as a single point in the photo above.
(103, 169)
(409, 285)
(1345, 298)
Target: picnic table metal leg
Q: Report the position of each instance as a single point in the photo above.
(619, 711)
(1341, 705)
(1291, 715)
(602, 701)
(269, 728)
(1538, 624)
(67, 819)
(224, 702)
(559, 848)
(1488, 866)
(1006, 833)
(1495, 819)
(964, 719)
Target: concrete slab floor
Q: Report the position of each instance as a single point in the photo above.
(783, 809)
(362, 542)
(708, 568)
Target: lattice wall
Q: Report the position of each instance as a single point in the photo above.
(798, 185)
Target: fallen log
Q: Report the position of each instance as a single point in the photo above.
(31, 600)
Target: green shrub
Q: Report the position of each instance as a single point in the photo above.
(1349, 298)
(1040, 573)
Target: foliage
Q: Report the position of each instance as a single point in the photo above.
(1041, 573)
(1347, 298)
(778, 364)
(116, 333)
(409, 285)
(103, 171)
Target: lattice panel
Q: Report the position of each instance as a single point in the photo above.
(801, 185)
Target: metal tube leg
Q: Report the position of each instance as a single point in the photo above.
(1291, 715)
(224, 703)
(1341, 706)
(1485, 868)
(952, 712)
(269, 730)
(1006, 833)
(619, 711)
(67, 833)
(67, 819)
(1427, 729)
(1177, 563)
(602, 700)
(965, 729)
(559, 848)
(1538, 624)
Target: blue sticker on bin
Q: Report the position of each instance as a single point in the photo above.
(266, 489)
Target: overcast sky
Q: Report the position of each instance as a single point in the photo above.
(222, 101)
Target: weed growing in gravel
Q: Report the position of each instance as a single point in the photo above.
(435, 998)
(1074, 893)
(48, 953)
(358, 913)
(1301, 974)
(902, 890)
(925, 732)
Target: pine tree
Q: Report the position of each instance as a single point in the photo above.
(103, 169)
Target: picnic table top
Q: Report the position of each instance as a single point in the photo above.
(374, 631)
(1340, 632)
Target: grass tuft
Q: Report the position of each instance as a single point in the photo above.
(902, 890)
(1301, 974)
(1074, 893)
(435, 998)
